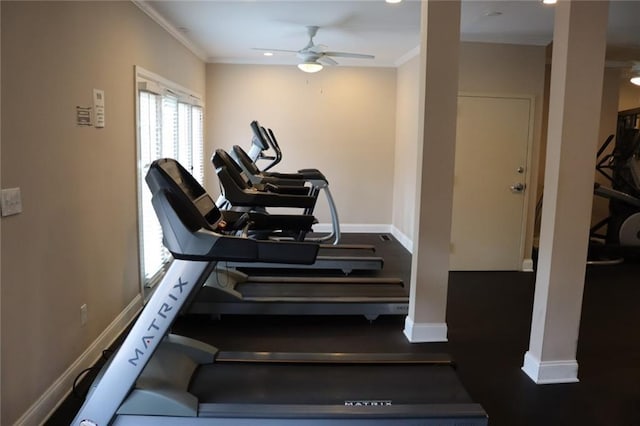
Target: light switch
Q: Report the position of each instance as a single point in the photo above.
(11, 201)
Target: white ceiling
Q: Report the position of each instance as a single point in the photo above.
(226, 31)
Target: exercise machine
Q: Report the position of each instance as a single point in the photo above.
(264, 140)
(260, 225)
(156, 378)
(230, 291)
(242, 195)
(621, 168)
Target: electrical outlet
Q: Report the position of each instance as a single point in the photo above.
(83, 315)
(10, 201)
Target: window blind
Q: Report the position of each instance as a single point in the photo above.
(170, 125)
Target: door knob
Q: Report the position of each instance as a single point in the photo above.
(517, 188)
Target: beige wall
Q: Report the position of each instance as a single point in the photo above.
(629, 95)
(340, 120)
(76, 240)
(406, 162)
(486, 69)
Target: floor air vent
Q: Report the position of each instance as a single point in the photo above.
(385, 237)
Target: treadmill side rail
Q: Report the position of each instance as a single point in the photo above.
(401, 414)
(337, 358)
(108, 393)
(333, 415)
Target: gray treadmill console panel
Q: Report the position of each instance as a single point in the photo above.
(221, 160)
(258, 137)
(189, 218)
(245, 161)
(197, 209)
(242, 193)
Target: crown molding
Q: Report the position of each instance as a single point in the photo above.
(407, 56)
(170, 28)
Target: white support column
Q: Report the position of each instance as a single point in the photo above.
(574, 116)
(440, 41)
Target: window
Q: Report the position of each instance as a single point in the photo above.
(170, 125)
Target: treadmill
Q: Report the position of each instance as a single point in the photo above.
(156, 378)
(262, 225)
(241, 193)
(234, 292)
(231, 291)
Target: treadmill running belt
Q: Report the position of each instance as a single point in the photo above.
(327, 384)
(323, 291)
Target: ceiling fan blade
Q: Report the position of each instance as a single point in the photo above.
(349, 55)
(326, 60)
(263, 49)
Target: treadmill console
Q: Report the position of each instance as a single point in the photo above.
(168, 175)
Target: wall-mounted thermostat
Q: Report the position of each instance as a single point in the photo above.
(98, 108)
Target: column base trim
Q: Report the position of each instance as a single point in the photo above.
(425, 332)
(549, 372)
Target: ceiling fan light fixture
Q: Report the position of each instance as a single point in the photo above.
(310, 66)
(635, 74)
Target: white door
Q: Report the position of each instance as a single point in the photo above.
(493, 136)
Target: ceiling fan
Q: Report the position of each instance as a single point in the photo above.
(631, 69)
(313, 56)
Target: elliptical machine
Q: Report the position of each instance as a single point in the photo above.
(621, 168)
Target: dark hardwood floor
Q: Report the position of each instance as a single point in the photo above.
(489, 316)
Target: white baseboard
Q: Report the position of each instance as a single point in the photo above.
(40, 411)
(548, 372)
(368, 229)
(402, 239)
(426, 332)
(354, 227)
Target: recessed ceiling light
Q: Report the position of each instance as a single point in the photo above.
(549, 1)
(393, 1)
(268, 53)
